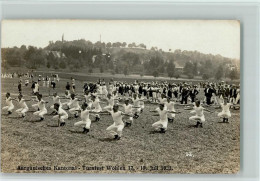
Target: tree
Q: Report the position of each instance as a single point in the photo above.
(207, 69)
(177, 75)
(124, 44)
(142, 45)
(48, 65)
(101, 69)
(155, 73)
(234, 74)
(90, 70)
(63, 65)
(205, 76)
(170, 69)
(219, 73)
(156, 63)
(125, 70)
(195, 68)
(116, 70)
(188, 69)
(109, 45)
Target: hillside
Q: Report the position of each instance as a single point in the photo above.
(119, 57)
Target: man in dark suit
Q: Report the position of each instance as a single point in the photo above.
(233, 94)
(193, 93)
(208, 94)
(227, 91)
(184, 94)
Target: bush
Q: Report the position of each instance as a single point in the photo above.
(63, 65)
(205, 76)
(177, 75)
(90, 70)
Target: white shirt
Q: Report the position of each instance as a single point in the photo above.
(199, 111)
(36, 87)
(128, 108)
(163, 114)
(170, 106)
(96, 105)
(84, 115)
(111, 101)
(163, 101)
(87, 97)
(67, 95)
(75, 103)
(136, 102)
(56, 100)
(23, 104)
(62, 112)
(104, 90)
(225, 108)
(117, 117)
(41, 105)
(9, 101)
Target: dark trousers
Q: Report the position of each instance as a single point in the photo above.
(208, 100)
(192, 98)
(184, 99)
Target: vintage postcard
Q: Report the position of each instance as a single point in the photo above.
(120, 96)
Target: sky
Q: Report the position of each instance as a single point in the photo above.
(206, 36)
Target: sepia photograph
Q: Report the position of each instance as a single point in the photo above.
(120, 96)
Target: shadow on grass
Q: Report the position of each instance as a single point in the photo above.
(77, 132)
(223, 122)
(55, 126)
(192, 126)
(34, 121)
(156, 132)
(16, 117)
(107, 139)
(6, 114)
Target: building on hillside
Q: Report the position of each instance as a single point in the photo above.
(178, 67)
(231, 66)
(56, 54)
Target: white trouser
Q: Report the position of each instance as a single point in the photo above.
(136, 110)
(62, 118)
(215, 100)
(52, 107)
(116, 129)
(9, 108)
(74, 110)
(108, 108)
(171, 115)
(97, 111)
(40, 113)
(87, 123)
(35, 106)
(130, 119)
(224, 114)
(160, 124)
(194, 118)
(68, 104)
(22, 111)
(35, 90)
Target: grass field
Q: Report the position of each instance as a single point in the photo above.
(215, 148)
